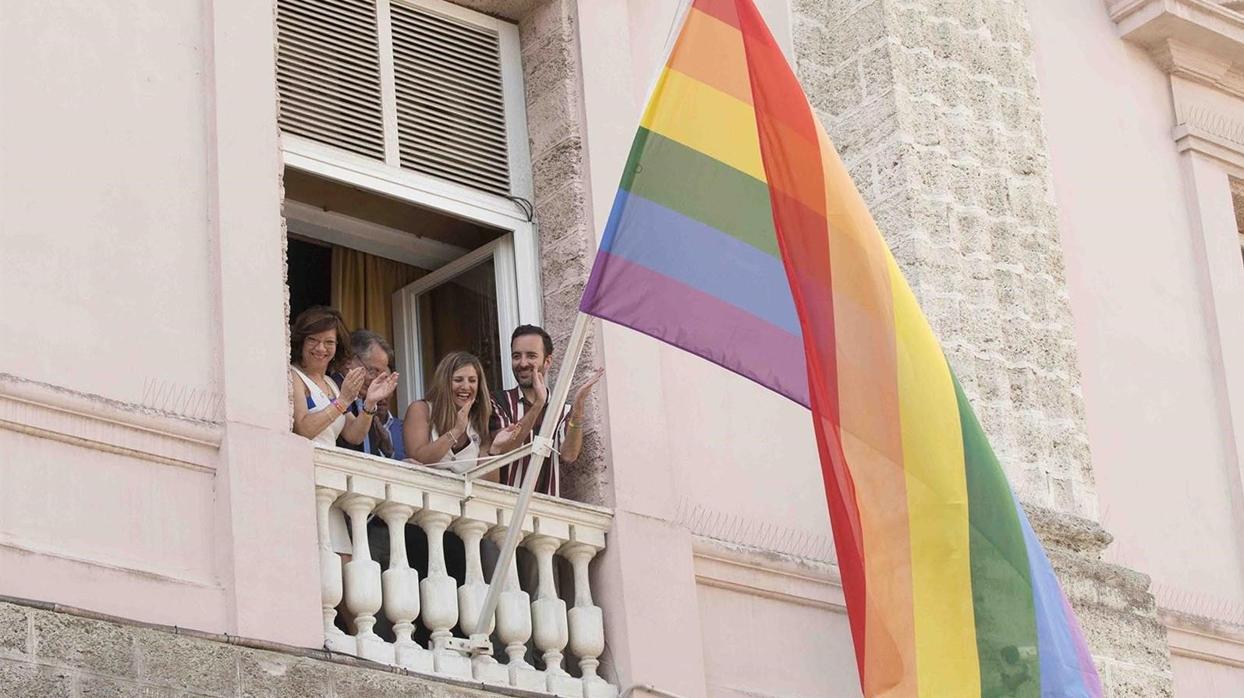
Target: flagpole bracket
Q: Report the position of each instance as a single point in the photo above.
(541, 445)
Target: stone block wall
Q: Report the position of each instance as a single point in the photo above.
(934, 107)
(551, 71)
(548, 37)
(50, 654)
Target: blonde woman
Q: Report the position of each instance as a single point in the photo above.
(448, 429)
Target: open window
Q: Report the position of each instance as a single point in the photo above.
(407, 176)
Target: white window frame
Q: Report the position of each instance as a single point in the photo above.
(515, 251)
(429, 192)
(406, 311)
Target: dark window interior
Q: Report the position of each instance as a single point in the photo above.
(310, 275)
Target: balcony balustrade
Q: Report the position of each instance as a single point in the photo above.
(429, 595)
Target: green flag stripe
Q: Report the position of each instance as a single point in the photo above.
(687, 181)
(1006, 628)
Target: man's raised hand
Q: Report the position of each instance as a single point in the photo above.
(540, 387)
(581, 394)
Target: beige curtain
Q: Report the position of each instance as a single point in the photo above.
(363, 287)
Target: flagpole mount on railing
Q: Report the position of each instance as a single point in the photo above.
(541, 448)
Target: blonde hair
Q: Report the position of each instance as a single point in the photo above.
(441, 408)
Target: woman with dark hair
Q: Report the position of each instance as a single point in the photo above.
(448, 429)
(318, 343)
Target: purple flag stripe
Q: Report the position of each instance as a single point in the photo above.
(700, 323)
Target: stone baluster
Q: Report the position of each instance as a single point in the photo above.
(587, 622)
(514, 620)
(401, 590)
(362, 576)
(471, 597)
(548, 613)
(439, 594)
(330, 573)
(529, 612)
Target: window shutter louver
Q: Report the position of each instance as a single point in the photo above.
(328, 73)
(450, 104)
(440, 110)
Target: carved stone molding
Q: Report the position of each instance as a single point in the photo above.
(1211, 132)
(753, 572)
(1204, 639)
(1198, 40)
(1237, 195)
(1197, 43)
(1182, 60)
(1147, 21)
(97, 423)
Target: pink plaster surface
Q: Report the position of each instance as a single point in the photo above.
(173, 215)
(103, 197)
(143, 248)
(1156, 428)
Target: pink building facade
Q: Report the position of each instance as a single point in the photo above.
(1062, 181)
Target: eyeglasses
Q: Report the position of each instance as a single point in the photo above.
(312, 343)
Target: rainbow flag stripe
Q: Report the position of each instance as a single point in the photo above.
(737, 235)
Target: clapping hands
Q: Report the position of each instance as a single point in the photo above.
(463, 420)
(581, 394)
(352, 383)
(381, 388)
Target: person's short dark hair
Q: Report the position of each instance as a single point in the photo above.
(314, 320)
(361, 341)
(524, 330)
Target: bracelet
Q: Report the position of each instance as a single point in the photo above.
(340, 407)
(570, 424)
(372, 411)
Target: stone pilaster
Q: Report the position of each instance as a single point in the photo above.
(548, 37)
(934, 106)
(551, 70)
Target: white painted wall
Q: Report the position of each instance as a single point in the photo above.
(1155, 425)
(812, 647)
(103, 196)
(141, 245)
(1154, 386)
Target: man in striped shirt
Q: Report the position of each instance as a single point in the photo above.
(531, 355)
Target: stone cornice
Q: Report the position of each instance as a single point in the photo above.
(762, 573)
(97, 423)
(1181, 60)
(1211, 640)
(1194, 39)
(1148, 21)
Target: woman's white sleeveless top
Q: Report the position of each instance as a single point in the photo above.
(463, 460)
(316, 397)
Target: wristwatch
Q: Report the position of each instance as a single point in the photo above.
(373, 410)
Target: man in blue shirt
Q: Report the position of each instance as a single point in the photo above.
(371, 352)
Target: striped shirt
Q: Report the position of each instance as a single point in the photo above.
(508, 407)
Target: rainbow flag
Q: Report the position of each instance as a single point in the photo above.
(737, 235)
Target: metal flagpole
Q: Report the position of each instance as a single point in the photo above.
(541, 447)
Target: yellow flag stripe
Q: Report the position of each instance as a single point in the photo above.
(937, 505)
(706, 119)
